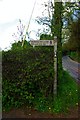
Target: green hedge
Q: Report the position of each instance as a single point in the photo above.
(75, 56)
(27, 74)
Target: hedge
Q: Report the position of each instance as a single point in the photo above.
(27, 74)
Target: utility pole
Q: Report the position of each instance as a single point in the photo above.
(28, 24)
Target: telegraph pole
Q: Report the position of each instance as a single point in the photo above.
(28, 24)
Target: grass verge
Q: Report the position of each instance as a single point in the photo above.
(67, 97)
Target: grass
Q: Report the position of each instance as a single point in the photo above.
(67, 93)
(67, 97)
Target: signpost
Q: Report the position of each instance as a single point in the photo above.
(42, 42)
(55, 66)
(49, 43)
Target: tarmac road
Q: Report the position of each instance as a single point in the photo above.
(72, 67)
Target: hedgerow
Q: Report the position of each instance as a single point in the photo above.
(27, 74)
(28, 77)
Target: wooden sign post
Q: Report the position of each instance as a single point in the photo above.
(49, 43)
(55, 66)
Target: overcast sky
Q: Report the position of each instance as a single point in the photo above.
(10, 13)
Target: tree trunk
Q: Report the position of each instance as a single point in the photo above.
(58, 33)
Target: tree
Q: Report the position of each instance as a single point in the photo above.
(46, 37)
(70, 14)
(72, 29)
(20, 31)
(58, 33)
(17, 45)
(74, 40)
(47, 18)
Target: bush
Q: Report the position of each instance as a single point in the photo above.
(27, 73)
(74, 55)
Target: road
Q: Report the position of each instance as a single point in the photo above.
(72, 67)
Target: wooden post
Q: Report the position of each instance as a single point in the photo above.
(55, 66)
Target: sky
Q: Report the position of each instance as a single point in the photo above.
(10, 13)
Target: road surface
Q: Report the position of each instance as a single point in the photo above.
(72, 67)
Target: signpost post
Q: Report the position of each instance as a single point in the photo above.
(49, 43)
(55, 66)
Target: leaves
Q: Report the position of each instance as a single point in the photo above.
(26, 73)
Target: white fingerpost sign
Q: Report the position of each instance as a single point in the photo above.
(42, 42)
(49, 43)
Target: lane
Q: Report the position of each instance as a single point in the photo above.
(72, 67)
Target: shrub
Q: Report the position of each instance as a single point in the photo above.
(27, 73)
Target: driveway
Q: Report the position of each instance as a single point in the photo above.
(72, 67)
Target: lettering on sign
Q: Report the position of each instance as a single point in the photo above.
(42, 42)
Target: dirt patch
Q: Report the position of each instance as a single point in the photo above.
(32, 113)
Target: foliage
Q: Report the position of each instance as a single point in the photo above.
(47, 17)
(27, 73)
(67, 97)
(75, 56)
(46, 37)
(74, 40)
(18, 46)
(28, 78)
(20, 31)
(70, 13)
